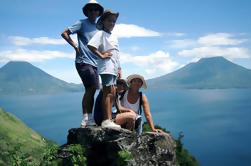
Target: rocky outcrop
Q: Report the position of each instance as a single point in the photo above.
(101, 146)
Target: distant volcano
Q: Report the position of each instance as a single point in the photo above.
(215, 73)
(20, 78)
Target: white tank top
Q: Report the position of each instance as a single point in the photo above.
(125, 103)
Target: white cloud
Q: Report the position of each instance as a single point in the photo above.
(178, 44)
(155, 64)
(24, 41)
(230, 53)
(135, 48)
(218, 39)
(176, 34)
(130, 30)
(32, 55)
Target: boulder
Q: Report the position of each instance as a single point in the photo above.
(101, 146)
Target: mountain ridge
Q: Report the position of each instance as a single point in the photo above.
(19, 77)
(207, 73)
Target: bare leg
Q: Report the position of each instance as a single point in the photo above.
(107, 101)
(88, 100)
(127, 119)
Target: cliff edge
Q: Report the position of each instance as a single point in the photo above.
(102, 146)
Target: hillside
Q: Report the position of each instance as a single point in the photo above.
(23, 78)
(16, 137)
(216, 72)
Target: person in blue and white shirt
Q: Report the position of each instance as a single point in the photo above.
(86, 61)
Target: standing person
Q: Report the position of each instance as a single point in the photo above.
(86, 61)
(131, 101)
(105, 45)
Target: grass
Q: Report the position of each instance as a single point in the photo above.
(16, 139)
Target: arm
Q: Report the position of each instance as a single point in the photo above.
(148, 115)
(121, 108)
(107, 54)
(119, 73)
(66, 36)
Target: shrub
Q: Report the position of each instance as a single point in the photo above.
(123, 158)
(183, 156)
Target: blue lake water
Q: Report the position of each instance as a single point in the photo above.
(216, 123)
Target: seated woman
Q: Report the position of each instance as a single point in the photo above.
(126, 116)
(130, 104)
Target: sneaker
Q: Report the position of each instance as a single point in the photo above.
(91, 122)
(86, 123)
(109, 124)
(83, 123)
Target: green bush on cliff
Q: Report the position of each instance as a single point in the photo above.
(123, 158)
(147, 128)
(75, 152)
(183, 156)
(78, 157)
(50, 156)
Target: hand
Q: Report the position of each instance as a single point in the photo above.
(128, 110)
(158, 131)
(107, 54)
(119, 75)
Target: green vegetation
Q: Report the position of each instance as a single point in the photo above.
(78, 157)
(146, 128)
(19, 145)
(51, 158)
(183, 156)
(123, 158)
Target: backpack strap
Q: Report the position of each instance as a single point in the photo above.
(122, 95)
(140, 103)
(140, 100)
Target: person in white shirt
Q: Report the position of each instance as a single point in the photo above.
(105, 45)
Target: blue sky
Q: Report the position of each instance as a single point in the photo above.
(155, 37)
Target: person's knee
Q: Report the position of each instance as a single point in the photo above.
(90, 91)
(132, 116)
(109, 91)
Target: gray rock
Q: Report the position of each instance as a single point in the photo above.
(101, 146)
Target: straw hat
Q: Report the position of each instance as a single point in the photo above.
(133, 76)
(92, 3)
(106, 13)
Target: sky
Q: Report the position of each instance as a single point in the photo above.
(155, 37)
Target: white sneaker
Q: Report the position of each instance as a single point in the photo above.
(109, 124)
(91, 122)
(86, 123)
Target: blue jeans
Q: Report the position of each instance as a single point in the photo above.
(108, 79)
(139, 124)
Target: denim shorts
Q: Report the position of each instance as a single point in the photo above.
(88, 74)
(108, 79)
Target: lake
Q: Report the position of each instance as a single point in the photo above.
(215, 123)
